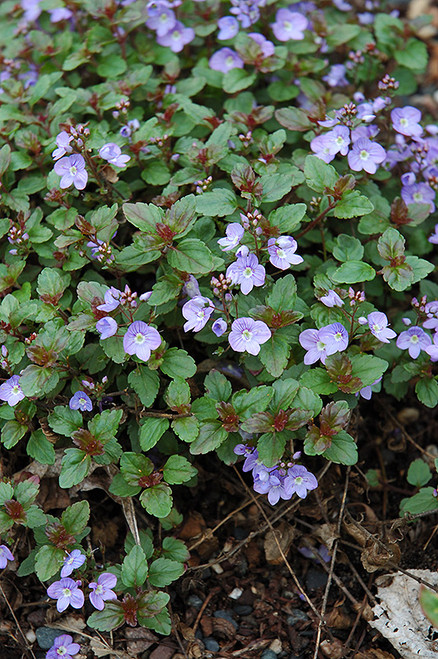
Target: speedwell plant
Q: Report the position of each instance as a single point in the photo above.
(218, 236)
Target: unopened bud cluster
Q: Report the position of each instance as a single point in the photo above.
(220, 284)
(202, 185)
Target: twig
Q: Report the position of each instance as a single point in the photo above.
(332, 567)
(16, 622)
(210, 595)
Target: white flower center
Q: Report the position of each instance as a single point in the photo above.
(61, 651)
(66, 592)
(320, 346)
(364, 155)
(139, 338)
(418, 196)
(281, 253)
(175, 35)
(247, 335)
(163, 18)
(338, 336)
(415, 338)
(99, 589)
(73, 170)
(229, 61)
(15, 389)
(287, 25)
(404, 122)
(339, 141)
(247, 273)
(200, 314)
(298, 480)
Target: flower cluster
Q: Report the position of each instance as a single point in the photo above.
(169, 31)
(278, 482)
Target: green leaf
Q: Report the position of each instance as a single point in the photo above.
(104, 426)
(187, 428)
(274, 355)
(165, 289)
(318, 380)
(134, 466)
(413, 55)
(420, 268)
(177, 363)
(283, 294)
(271, 447)
(347, 248)
(319, 175)
(419, 473)
(65, 421)
(38, 380)
(51, 285)
(427, 392)
(284, 393)
(276, 186)
(134, 568)
(422, 502)
(39, 448)
(145, 542)
(151, 430)
(293, 119)
(157, 500)
(343, 449)
(5, 158)
(75, 466)
(48, 561)
(211, 436)
(236, 80)
(145, 383)
(191, 255)
(178, 394)
(75, 517)
(164, 571)
(152, 613)
(12, 432)
(175, 550)
(368, 368)
(218, 202)
(288, 217)
(247, 403)
(143, 216)
(353, 272)
(352, 204)
(217, 386)
(178, 470)
(429, 603)
(111, 66)
(109, 619)
(120, 488)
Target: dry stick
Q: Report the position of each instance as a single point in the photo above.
(210, 532)
(286, 562)
(407, 435)
(210, 595)
(332, 566)
(16, 622)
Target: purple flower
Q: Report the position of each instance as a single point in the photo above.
(5, 556)
(247, 272)
(71, 169)
(282, 252)
(140, 339)
(248, 335)
(80, 401)
(11, 392)
(63, 143)
(267, 47)
(60, 14)
(378, 324)
(366, 155)
(64, 647)
(335, 336)
(177, 37)
(191, 287)
(102, 590)
(311, 341)
(432, 351)
(73, 560)
(112, 299)
(228, 27)
(336, 76)
(197, 311)
(67, 592)
(405, 121)
(431, 310)
(224, 60)
(106, 327)
(321, 146)
(162, 21)
(234, 233)
(419, 193)
(331, 299)
(276, 487)
(301, 480)
(219, 327)
(289, 25)
(367, 392)
(112, 153)
(414, 340)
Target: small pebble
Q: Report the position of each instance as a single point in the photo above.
(243, 609)
(217, 568)
(296, 616)
(276, 646)
(31, 636)
(268, 654)
(46, 635)
(235, 593)
(211, 644)
(199, 635)
(227, 616)
(194, 601)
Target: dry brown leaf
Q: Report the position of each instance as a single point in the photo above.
(373, 654)
(337, 618)
(162, 652)
(193, 526)
(377, 554)
(332, 649)
(253, 554)
(139, 639)
(283, 535)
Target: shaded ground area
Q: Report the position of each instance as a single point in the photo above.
(292, 581)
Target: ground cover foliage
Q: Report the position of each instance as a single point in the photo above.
(218, 245)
